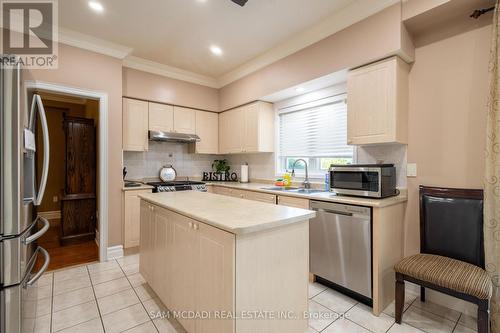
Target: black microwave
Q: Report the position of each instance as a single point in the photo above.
(363, 180)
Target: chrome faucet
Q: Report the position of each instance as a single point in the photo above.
(306, 182)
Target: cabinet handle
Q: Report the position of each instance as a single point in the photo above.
(196, 226)
(241, 195)
(191, 225)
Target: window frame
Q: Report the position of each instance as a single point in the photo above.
(280, 161)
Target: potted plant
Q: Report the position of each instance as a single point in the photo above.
(221, 167)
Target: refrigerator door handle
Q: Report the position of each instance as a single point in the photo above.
(37, 100)
(42, 269)
(39, 233)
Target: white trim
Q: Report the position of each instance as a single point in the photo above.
(169, 71)
(115, 251)
(86, 42)
(103, 148)
(50, 215)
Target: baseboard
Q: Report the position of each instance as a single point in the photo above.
(444, 300)
(115, 251)
(50, 215)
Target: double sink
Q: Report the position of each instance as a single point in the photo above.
(293, 189)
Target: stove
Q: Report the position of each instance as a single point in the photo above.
(174, 186)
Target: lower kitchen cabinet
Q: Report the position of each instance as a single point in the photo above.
(131, 217)
(244, 194)
(190, 265)
(215, 274)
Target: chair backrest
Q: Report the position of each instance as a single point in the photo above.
(451, 223)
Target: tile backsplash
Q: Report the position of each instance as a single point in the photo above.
(148, 164)
(261, 166)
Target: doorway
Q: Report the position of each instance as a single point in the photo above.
(71, 197)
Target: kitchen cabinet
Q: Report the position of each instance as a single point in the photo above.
(377, 103)
(135, 125)
(131, 217)
(190, 265)
(161, 117)
(207, 128)
(293, 202)
(244, 194)
(198, 267)
(247, 129)
(184, 120)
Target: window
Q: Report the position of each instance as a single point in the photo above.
(315, 132)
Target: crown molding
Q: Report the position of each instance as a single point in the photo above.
(169, 71)
(86, 42)
(352, 13)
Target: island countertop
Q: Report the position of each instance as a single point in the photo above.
(234, 215)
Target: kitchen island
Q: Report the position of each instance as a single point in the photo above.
(223, 264)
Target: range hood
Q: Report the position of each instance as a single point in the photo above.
(173, 137)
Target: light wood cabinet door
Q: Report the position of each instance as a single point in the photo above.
(184, 120)
(135, 125)
(161, 117)
(145, 256)
(132, 217)
(207, 128)
(184, 268)
(161, 254)
(215, 277)
(377, 103)
(293, 202)
(251, 130)
(224, 133)
(236, 130)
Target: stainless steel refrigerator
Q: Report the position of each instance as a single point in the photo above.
(20, 194)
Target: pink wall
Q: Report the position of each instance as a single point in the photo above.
(447, 118)
(158, 88)
(88, 70)
(374, 38)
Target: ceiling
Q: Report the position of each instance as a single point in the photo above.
(179, 33)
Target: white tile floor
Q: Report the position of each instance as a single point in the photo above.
(114, 297)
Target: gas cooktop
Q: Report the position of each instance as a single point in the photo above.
(179, 185)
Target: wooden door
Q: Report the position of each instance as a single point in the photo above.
(207, 128)
(78, 207)
(135, 125)
(183, 269)
(184, 120)
(224, 133)
(215, 277)
(161, 117)
(161, 277)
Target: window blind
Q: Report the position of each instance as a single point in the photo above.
(319, 131)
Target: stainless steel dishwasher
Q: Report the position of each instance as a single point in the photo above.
(341, 247)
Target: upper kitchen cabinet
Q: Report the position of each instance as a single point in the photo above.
(135, 125)
(377, 103)
(161, 117)
(207, 128)
(184, 120)
(247, 129)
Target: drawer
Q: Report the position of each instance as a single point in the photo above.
(262, 197)
(293, 202)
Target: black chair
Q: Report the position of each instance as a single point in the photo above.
(452, 251)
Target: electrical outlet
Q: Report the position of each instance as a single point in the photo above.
(411, 170)
(55, 198)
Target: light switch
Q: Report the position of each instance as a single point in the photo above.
(55, 198)
(411, 170)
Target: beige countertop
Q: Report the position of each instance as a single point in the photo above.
(237, 216)
(321, 196)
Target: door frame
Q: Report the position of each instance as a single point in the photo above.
(102, 97)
